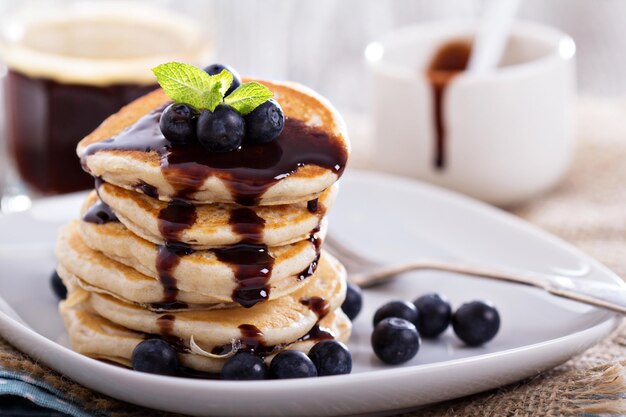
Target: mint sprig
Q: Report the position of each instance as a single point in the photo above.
(185, 83)
(248, 97)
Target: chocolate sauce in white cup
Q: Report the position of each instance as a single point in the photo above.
(502, 137)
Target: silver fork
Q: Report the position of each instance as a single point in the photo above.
(366, 273)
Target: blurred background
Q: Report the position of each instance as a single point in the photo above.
(321, 43)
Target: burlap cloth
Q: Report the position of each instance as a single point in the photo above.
(588, 209)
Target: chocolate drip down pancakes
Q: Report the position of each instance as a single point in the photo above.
(211, 252)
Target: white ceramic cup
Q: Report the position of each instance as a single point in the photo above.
(509, 133)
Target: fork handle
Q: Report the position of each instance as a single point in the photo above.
(608, 296)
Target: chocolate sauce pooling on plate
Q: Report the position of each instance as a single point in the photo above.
(248, 171)
(100, 213)
(449, 61)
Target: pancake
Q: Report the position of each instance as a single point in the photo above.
(217, 224)
(97, 337)
(79, 265)
(120, 263)
(128, 150)
(281, 321)
(217, 272)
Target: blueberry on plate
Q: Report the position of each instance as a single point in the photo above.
(155, 356)
(221, 130)
(217, 68)
(354, 301)
(292, 364)
(401, 309)
(245, 366)
(395, 340)
(265, 123)
(57, 286)
(434, 314)
(331, 357)
(476, 323)
(177, 123)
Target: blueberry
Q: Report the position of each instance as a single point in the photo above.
(265, 123)
(57, 286)
(155, 356)
(331, 357)
(217, 68)
(401, 309)
(221, 130)
(245, 366)
(292, 364)
(395, 340)
(178, 123)
(434, 314)
(476, 322)
(353, 302)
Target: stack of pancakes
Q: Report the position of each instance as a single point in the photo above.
(212, 252)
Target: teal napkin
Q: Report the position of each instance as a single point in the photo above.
(21, 395)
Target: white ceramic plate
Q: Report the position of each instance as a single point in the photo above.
(389, 219)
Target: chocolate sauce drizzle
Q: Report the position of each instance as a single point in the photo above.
(317, 334)
(166, 325)
(247, 224)
(248, 171)
(252, 265)
(175, 218)
(168, 306)
(312, 206)
(317, 242)
(318, 305)
(100, 213)
(147, 189)
(168, 258)
(449, 61)
(252, 340)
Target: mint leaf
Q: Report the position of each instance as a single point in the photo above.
(226, 79)
(185, 83)
(214, 96)
(248, 97)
